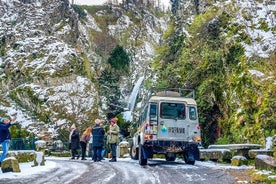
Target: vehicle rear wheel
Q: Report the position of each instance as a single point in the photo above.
(170, 156)
(142, 161)
(134, 152)
(186, 159)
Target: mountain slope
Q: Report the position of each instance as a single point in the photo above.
(54, 57)
(227, 54)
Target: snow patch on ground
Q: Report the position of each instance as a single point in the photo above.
(27, 170)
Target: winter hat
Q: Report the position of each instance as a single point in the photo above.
(2, 120)
(114, 120)
(73, 126)
(98, 121)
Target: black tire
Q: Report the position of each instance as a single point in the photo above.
(134, 152)
(142, 161)
(185, 155)
(170, 157)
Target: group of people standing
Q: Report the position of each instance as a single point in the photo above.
(75, 140)
(97, 134)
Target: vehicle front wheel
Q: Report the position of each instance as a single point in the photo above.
(134, 152)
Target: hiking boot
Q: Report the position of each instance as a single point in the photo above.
(113, 159)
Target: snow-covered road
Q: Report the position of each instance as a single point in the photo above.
(125, 171)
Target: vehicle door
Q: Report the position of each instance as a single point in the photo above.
(172, 121)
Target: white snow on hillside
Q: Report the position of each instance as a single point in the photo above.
(263, 41)
(259, 18)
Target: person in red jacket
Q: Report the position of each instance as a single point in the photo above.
(5, 136)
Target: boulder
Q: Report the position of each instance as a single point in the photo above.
(265, 162)
(22, 155)
(238, 149)
(254, 152)
(39, 159)
(58, 145)
(215, 154)
(40, 146)
(123, 148)
(10, 164)
(239, 160)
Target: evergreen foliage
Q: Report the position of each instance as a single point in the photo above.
(2, 46)
(234, 106)
(117, 66)
(80, 11)
(119, 60)
(17, 132)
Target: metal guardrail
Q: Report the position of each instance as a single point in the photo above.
(22, 144)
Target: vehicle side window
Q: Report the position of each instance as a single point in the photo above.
(192, 113)
(153, 108)
(145, 114)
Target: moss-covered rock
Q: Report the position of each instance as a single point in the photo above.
(39, 159)
(10, 164)
(22, 156)
(61, 154)
(124, 148)
(253, 153)
(238, 161)
(220, 155)
(264, 162)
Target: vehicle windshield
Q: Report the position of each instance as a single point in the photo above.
(172, 110)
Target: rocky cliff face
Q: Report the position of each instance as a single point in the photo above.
(54, 56)
(41, 68)
(51, 59)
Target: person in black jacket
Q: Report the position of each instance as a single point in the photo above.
(5, 136)
(74, 141)
(98, 140)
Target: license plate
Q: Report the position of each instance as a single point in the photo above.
(176, 130)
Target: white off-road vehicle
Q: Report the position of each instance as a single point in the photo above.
(168, 125)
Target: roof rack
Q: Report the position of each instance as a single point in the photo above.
(173, 92)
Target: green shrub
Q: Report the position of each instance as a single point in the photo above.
(80, 11)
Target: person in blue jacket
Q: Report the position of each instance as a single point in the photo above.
(98, 140)
(5, 136)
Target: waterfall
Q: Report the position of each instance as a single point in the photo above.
(132, 100)
(134, 93)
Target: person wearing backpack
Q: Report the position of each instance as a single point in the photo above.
(5, 136)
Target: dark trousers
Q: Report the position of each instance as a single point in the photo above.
(90, 152)
(113, 147)
(97, 153)
(74, 153)
(83, 149)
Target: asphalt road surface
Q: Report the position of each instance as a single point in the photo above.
(127, 171)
